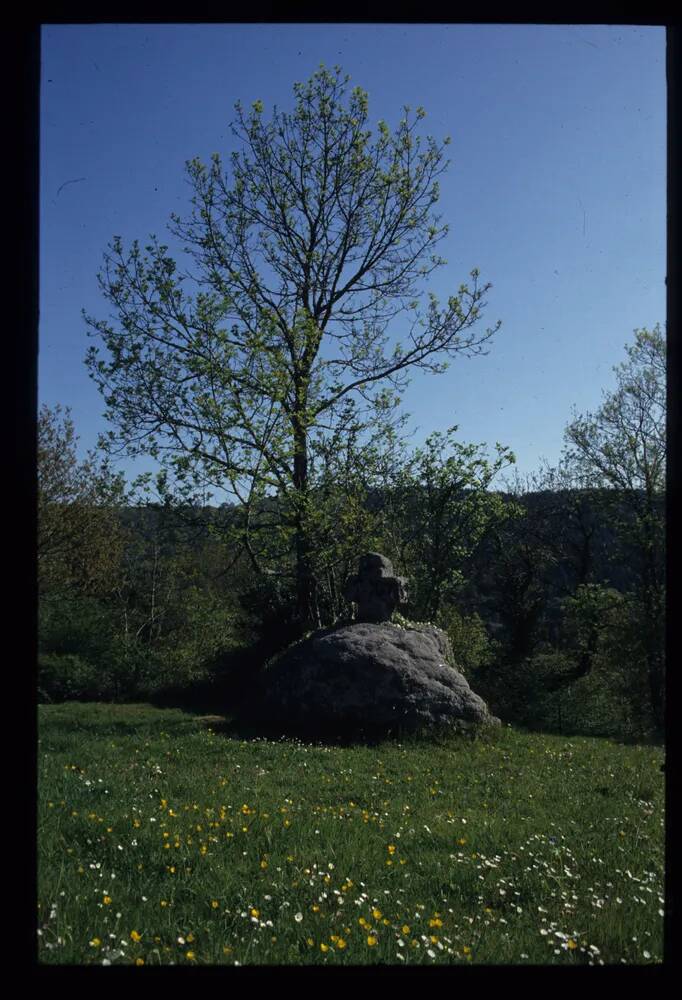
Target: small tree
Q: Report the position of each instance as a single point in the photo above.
(622, 447)
(79, 538)
(304, 256)
(79, 548)
(441, 509)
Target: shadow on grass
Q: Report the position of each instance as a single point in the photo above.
(246, 727)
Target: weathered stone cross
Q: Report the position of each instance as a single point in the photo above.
(375, 589)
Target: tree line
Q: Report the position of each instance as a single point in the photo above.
(552, 588)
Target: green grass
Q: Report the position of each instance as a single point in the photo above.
(164, 839)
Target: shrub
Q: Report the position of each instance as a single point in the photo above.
(472, 647)
(67, 677)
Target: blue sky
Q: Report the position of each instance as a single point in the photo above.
(556, 190)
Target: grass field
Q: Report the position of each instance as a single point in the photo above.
(165, 839)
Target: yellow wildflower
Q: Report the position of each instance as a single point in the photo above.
(371, 940)
(135, 936)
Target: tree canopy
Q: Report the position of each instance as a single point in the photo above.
(622, 446)
(79, 538)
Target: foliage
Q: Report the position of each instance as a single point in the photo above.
(159, 621)
(622, 446)
(79, 540)
(511, 582)
(472, 647)
(566, 522)
(589, 615)
(439, 510)
(593, 681)
(551, 594)
(67, 677)
(304, 254)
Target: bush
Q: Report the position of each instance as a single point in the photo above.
(539, 694)
(67, 677)
(472, 647)
(268, 616)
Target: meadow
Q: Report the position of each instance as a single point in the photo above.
(167, 838)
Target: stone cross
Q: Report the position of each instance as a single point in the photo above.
(375, 590)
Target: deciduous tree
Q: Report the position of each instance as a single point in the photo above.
(79, 539)
(441, 508)
(622, 447)
(307, 259)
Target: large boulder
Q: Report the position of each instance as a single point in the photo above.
(372, 678)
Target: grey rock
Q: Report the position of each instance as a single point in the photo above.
(370, 677)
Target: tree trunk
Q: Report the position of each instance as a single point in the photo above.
(307, 612)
